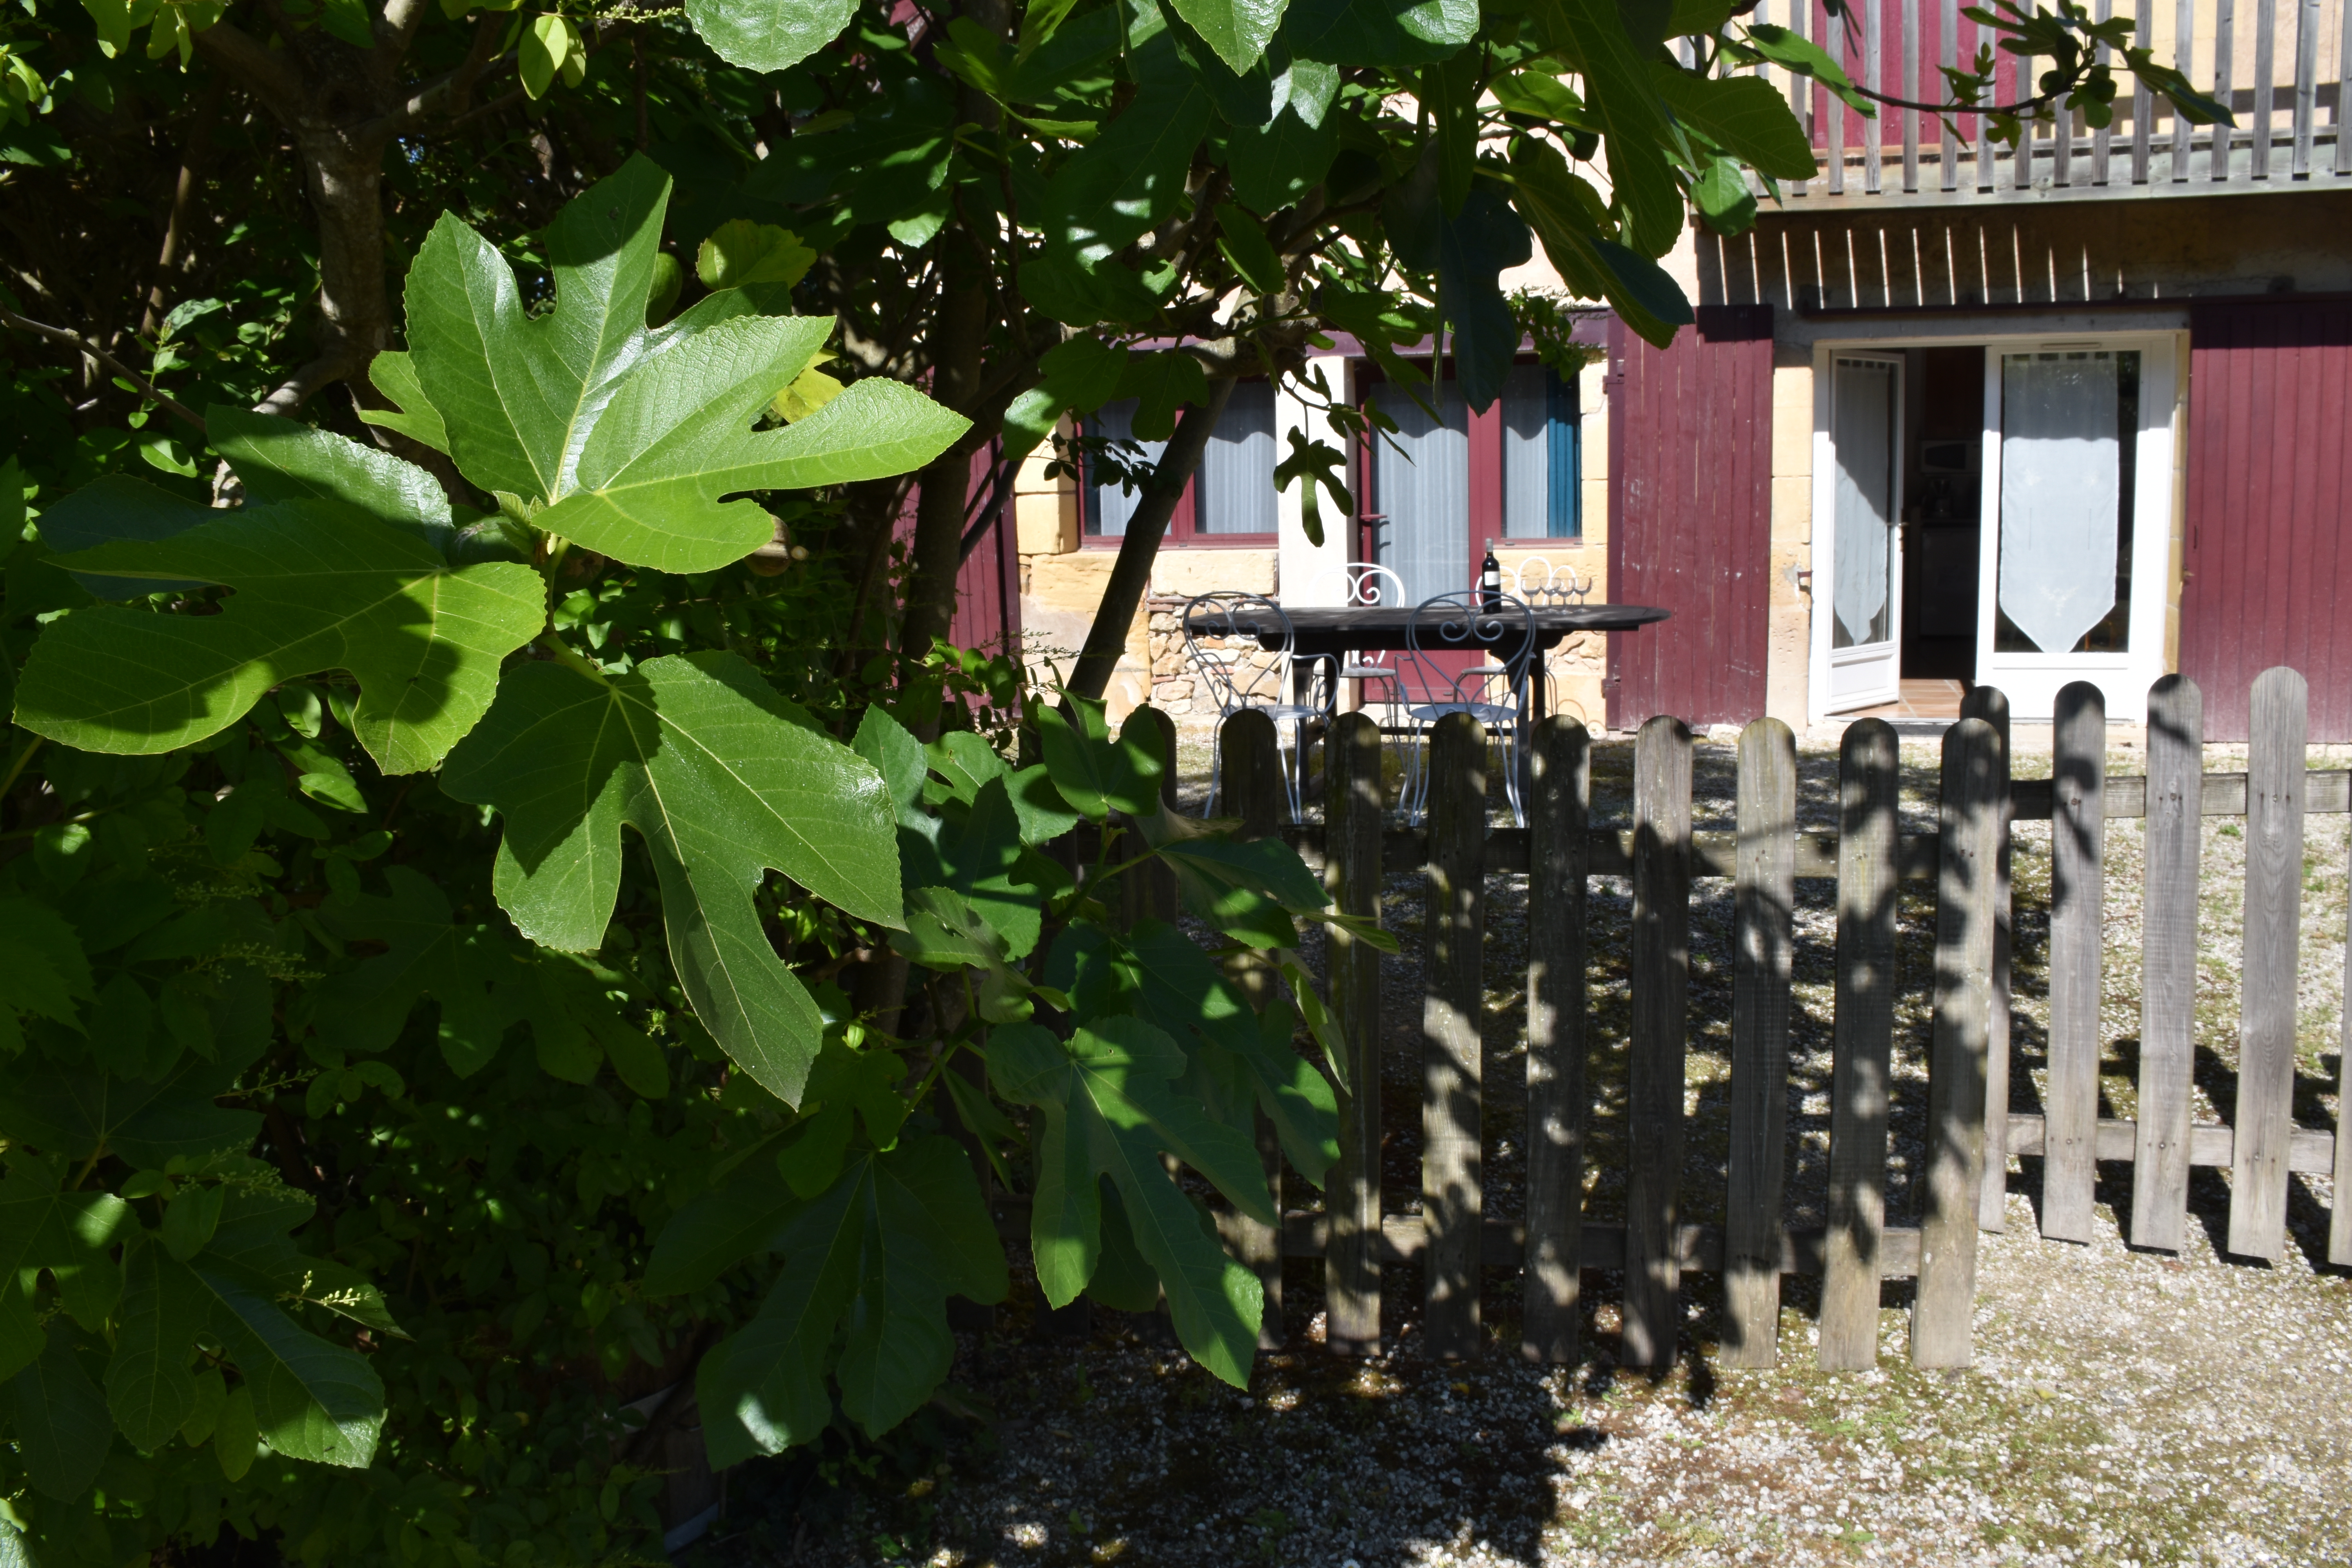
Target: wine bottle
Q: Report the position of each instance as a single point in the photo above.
(1490, 580)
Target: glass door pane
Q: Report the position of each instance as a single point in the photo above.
(1420, 480)
(1862, 426)
(2068, 427)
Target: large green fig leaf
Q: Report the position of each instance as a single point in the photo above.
(1109, 1109)
(61, 1428)
(314, 1400)
(886, 1245)
(70, 1235)
(769, 35)
(320, 584)
(724, 781)
(629, 437)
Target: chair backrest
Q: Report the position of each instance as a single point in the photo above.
(1547, 587)
(1454, 643)
(1360, 584)
(1222, 646)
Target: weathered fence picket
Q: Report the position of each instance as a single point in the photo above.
(1655, 1072)
(1992, 705)
(1764, 912)
(2167, 979)
(1351, 1193)
(2078, 826)
(1253, 790)
(1453, 1027)
(1975, 784)
(1971, 1131)
(1559, 805)
(1869, 779)
(2264, 1119)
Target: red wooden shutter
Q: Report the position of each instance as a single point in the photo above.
(988, 586)
(1690, 517)
(2267, 568)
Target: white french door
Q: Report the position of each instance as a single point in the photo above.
(2078, 506)
(1858, 557)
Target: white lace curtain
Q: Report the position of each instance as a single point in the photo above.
(2061, 492)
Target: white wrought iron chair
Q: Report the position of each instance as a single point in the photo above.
(1222, 650)
(1358, 584)
(1494, 691)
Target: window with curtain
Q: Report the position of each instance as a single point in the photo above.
(1235, 491)
(1107, 506)
(1421, 480)
(1230, 494)
(1542, 457)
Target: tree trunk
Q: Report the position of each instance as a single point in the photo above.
(1131, 574)
(961, 342)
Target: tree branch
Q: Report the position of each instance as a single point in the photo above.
(454, 88)
(398, 26)
(75, 339)
(1131, 574)
(324, 370)
(265, 72)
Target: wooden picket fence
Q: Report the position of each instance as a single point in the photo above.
(1967, 858)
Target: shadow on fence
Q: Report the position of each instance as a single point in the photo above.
(1965, 1179)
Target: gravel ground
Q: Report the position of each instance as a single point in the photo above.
(2126, 1408)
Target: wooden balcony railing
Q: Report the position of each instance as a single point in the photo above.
(2280, 65)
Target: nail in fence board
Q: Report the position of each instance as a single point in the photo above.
(1943, 1307)
(2077, 892)
(1764, 919)
(1867, 785)
(1352, 1191)
(1252, 789)
(2265, 1113)
(1558, 808)
(2167, 976)
(1990, 704)
(1451, 1026)
(1660, 944)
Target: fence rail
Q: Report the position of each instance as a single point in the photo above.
(1966, 1175)
(2280, 65)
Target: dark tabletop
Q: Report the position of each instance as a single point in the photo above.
(1322, 631)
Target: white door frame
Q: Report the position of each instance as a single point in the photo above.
(2159, 335)
(1826, 656)
(2031, 682)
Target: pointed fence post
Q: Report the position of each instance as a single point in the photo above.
(2078, 829)
(1868, 780)
(1764, 907)
(2167, 969)
(1558, 850)
(1352, 1193)
(2265, 1113)
(1452, 1022)
(1943, 1307)
(1653, 1097)
(1990, 704)
(1250, 762)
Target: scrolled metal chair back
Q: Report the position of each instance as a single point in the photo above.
(1220, 643)
(1362, 585)
(1503, 632)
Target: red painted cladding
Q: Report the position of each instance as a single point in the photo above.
(1690, 517)
(988, 588)
(2268, 569)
